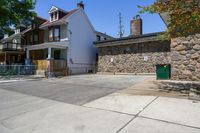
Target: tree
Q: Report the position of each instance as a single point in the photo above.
(15, 13)
(184, 16)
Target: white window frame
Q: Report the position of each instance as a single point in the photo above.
(54, 16)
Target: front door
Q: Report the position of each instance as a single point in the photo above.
(57, 54)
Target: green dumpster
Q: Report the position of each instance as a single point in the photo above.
(163, 72)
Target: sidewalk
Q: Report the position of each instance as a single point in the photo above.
(20, 78)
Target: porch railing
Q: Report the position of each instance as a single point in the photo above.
(12, 47)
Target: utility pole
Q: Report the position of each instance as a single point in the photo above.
(121, 26)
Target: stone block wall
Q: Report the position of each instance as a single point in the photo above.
(134, 58)
(185, 58)
(182, 53)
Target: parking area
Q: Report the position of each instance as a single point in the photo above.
(76, 90)
(93, 104)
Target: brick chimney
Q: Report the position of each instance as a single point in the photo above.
(136, 26)
(81, 5)
(5, 36)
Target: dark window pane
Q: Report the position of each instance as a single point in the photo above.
(50, 34)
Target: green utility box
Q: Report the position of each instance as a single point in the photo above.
(163, 72)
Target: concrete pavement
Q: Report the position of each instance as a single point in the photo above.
(43, 107)
(153, 114)
(21, 113)
(142, 125)
(47, 116)
(76, 90)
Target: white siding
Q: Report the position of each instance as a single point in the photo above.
(83, 35)
(63, 32)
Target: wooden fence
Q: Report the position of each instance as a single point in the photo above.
(57, 67)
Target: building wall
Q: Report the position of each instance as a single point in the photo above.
(63, 32)
(81, 52)
(46, 35)
(185, 58)
(134, 58)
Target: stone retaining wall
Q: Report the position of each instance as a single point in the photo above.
(192, 89)
(185, 58)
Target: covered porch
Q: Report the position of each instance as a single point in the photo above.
(12, 57)
(49, 58)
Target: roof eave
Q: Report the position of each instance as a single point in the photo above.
(130, 40)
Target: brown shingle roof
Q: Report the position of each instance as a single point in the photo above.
(48, 23)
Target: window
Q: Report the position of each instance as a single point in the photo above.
(36, 38)
(14, 41)
(98, 38)
(51, 34)
(14, 44)
(54, 16)
(54, 34)
(31, 39)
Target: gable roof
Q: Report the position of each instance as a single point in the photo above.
(54, 8)
(13, 36)
(62, 20)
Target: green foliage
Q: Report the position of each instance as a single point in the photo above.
(15, 13)
(184, 16)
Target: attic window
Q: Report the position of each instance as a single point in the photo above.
(54, 16)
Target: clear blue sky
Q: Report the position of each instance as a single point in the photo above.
(104, 13)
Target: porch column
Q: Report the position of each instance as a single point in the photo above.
(27, 54)
(49, 53)
(5, 61)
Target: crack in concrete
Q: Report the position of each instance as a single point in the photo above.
(136, 115)
(109, 110)
(170, 122)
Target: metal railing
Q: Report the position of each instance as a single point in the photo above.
(16, 71)
(82, 70)
(22, 71)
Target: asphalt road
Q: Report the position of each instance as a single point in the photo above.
(76, 90)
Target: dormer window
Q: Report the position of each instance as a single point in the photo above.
(17, 31)
(54, 16)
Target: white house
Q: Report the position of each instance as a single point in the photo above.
(68, 41)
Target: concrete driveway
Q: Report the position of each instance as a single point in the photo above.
(92, 104)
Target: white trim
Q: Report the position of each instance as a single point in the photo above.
(57, 9)
(81, 10)
(53, 7)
